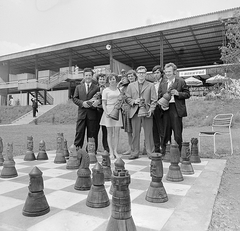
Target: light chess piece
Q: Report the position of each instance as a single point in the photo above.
(92, 150)
(60, 158)
(73, 161)
(29, 156)
(106, 164)
(65, 149)
(42, 155)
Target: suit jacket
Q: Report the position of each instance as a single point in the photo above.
(181, 86)
(148, 92)
(80, 96)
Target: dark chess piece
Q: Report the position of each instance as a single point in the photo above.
(174, 173)
(106, 164)
(121, 218)
(92, 150)
(142, 108)
(29, 156)
(186, 166)
(166, 157)
(119, 164)
(65, 149)
(194, 151)
(73, 161)
(156, 192)
(114, 114)
(9, 170)
(42, 155)
(97, 196)
(83, 181)
(60, 158)
(36, 203)
(1, 150)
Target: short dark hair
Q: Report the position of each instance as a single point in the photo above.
(132, 72)
(87, 69)
(157, 67)
(109, 76)
(100, 75)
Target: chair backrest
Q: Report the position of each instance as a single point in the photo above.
(222, 120)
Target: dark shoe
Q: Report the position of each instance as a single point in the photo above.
(132, 157)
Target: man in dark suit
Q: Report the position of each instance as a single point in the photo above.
(172, 115)
(87, 112)
(34, 106)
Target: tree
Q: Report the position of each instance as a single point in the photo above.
(230, 52)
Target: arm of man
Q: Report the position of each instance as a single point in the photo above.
(153, 101)
(183, 92)
(76, 98)
(130, 99)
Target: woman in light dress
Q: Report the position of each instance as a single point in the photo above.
(110, 97)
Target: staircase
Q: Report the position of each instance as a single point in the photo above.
(28, 118)
(40, 97)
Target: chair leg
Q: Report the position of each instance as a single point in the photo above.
(231, 143)
(214, 145)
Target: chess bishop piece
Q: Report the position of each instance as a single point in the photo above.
(29, 156)
(1, 150)
(73, 161)
(106, 164)
(156, 192)
(65, 149)
(174, 173)
(116, 110)
(194, 158)
(83, 181)
(142, 108)
(92, 150)
(36, 203)
(166, 157)
(121, 218)
(97, 196)
(42, 155)
(119, 164)
(60, 158)
(186, 166)
(9, 170)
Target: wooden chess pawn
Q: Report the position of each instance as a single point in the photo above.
(92, 150)
(156, 192)
(29, 156)
(42, 155)
(73, 161)
(60, 158)
(121, 203)
(194, 151)
(36, 203)
(1, 150)
(174, 173)
(106, 164)
(9, 170)
(97, 196)
(65, 149)
(186, 166)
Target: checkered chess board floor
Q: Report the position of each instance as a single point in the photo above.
(189, 205)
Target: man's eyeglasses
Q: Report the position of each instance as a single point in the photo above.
(141, 73)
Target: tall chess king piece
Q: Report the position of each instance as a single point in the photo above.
(92, 150)
(156, 192)
(42, 155)
(29, 156)
(83, 181)
(186, 166)
(174, 173)
(36, 203)
(1, 151)
(60, 158)
(106, 164)
(121, 218)
(9, 170)
(97, 196)
(194, 151)
(73, 161)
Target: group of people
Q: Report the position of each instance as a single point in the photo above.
(139, 102)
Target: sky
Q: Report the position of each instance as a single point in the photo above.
(28, 24)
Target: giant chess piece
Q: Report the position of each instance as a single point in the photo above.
(119, 165)
(121, 218)
(29, 156)
(60, 158)
(9, 170)
(92, 150)
(166, 157)
(174, 173)
(114, 114)
(73, 161)
(36, 203)
(186, 166)
(1, 150)
(42, 155)
(142, 108)
(164, 101)
(106, 164)
(194, 151)
(156, 192)
(65, 149)
(83, 181)
(97, 196)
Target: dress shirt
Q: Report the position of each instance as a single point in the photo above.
(172, 100)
